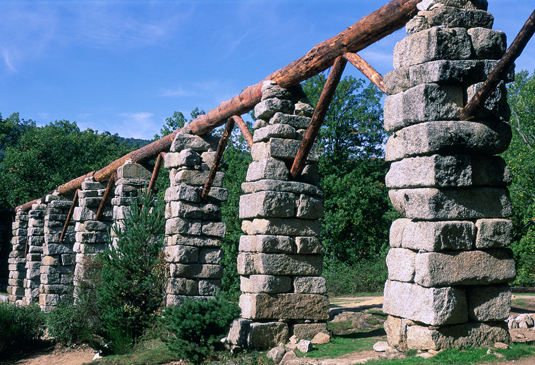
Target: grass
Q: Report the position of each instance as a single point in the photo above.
(344, 344)
(152, 352)
(467, 356)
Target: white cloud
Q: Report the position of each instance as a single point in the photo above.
(177, 92)
(137, 125)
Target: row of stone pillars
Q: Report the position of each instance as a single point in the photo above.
(448, 266)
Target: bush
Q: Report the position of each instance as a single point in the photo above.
(69, 323)
(130, 292)
(367, 276)
(196, 327)
(19, 325)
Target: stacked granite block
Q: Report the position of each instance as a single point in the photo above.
(57, 264)
(91, 236)
(449, 264)
(280, 259)
(17, 259)
(132, 179)
(194, 228)
(36, 239)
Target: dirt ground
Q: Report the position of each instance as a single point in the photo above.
(55, 355)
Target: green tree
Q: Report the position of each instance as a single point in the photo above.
(520, 158)
(352, 171)
(11, 130)
(46, 157)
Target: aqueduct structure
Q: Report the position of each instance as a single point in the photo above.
(449, 264)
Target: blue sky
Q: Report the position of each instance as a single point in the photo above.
(125, 66)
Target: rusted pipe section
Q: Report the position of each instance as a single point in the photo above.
(243, 129)
(105, 197)
(366, 69)
(69, 216)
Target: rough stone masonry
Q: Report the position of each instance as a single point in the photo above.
(280, 259)
(449, 264)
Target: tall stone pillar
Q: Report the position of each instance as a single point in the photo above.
(17, 259)
(449, 264)
(280, 259)
(5, 247)
(36, 238)
(194, 229)
(57, 264)
(91, 235)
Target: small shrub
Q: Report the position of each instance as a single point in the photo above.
(132, 274)
(366, 276)
(196, 327)
(19, 325)
(68, 323)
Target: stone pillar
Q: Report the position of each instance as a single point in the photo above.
(280, 259)
(448, 267)
(91, 236)
(17, 259)
(194, 229)
(57, 264)
(131, 179)
(36, 238)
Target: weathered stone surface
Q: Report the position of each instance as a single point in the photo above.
(307, 331)
(214, 229)
(271, 90)
(445, 171)
(308, 245)
(285, 149)
(198, 178)
(268, 168)
(303, 108)
(181, 209)
(239, 332)
(269, 244)
(276, 185)
(172, 300)
(182, 286)
(487, 43)
(92, 185)
(273, 130)
(449, 17)
(448, 137)
(267, 108)
(488, 303)
(283, 264)
(202, 143)
(463, 335)
(493, 233)
(464, 267)
(210, 256)
(200, 271)
(276, 354)
(267, 204)
(133, 171)
(186, 157)
(209, 287)
(181, 254)
(434, 306)
(278, 226)
(296, 121)
(245, 263)
(432, 236)
(265, 284)
(266, 335)
(309, 207)
(495, 106)
(183, 226)
(310, 285)
(422, 103)
(199, 241)
(284, 306)
(468, 203)
(400, 263)
(216, 195)
(458, 72)
(433, 44)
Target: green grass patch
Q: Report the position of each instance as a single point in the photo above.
(377, 313)
(519, 302)
(344, 344)
(466, 356)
